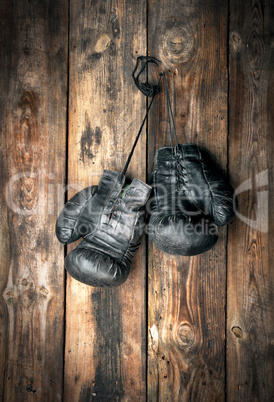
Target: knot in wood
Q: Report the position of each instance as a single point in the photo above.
(10, 295)
(102, 43)
(177, 45)
(185, 335)
(237, 331)
(43, 292)
(235, 41)
(128, 350)
(256, 46)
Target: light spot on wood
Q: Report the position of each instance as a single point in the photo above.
(235, 41)
(178, 45)
(9, 295)
(102, 43)
(153, 339)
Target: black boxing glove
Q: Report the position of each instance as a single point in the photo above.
(111, 220)
(190, 197)
(207, 188)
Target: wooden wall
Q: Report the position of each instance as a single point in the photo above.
(180, 328)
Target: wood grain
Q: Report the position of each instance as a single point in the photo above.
(105, 356)
(250, 252)
(33, 59)
(194, 309)
(186, 296)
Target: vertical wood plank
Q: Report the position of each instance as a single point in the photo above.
(186, 295)
(105, 354)
(250, 251)
(33, 46)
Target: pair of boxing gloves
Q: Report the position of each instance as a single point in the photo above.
(190, 199)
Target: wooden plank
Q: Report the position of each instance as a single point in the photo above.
(186, 295)
(105, 355)
(33, 142)
(250, 252)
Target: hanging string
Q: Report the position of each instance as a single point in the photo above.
(170, 114)
(147, 90)
(137, 137)
(145, 87)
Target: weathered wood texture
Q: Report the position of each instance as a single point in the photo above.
(105, 354)
(33, 47)
(250, 289)
(196, 306)
(186, 296)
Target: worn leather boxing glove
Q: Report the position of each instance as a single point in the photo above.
(111, 220)
(207, 187)
(190, 198)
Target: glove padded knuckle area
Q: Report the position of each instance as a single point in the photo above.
(175, 234)
(94, 268)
